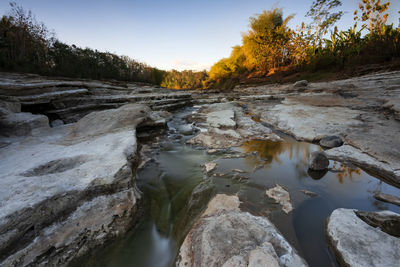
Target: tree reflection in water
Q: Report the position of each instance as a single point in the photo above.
(269, 151)
(344, 171)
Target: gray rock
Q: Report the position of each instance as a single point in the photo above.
(357, 243)
(318, 161)
(301, 83)
(331, 141)
(225, 236)
(186, 129)
(56, 123)
(387, 198)
(281, 196)
(74, 185)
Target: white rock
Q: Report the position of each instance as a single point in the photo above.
(210, 166)
(281, 196)
(359, 244)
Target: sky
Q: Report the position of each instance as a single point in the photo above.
(167, 34)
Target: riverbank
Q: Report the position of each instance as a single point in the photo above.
(86, 162)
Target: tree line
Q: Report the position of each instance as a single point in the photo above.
(26, 45)
(269, 46)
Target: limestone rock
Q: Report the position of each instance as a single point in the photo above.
(387, 198)
(56, 123)
(301, 83)
(318, 161)
(68, 189)
(331, 141)
(356, 243)
(210, 166)
(281, 196)
(225, 236)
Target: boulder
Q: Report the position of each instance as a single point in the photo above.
(331, 141)
(56, 123)
(226, 236)
(318, 161)
(301, 83)
(357, 243)
(69, 189)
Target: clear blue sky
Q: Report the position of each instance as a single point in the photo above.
(180, 34)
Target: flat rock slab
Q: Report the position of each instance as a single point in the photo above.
(357, 243)
(226, 236)
(68, 184)
(221, 119)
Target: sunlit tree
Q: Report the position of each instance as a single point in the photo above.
(323, 17)
(373, 14)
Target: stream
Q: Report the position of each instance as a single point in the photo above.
(177, 169)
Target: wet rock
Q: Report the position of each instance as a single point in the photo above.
(317, 175)
(354, 155)
(318, 161)
(309, 193)
(225, 125)
(387, 198)
(331, 141)
(301, 83)
(186, 129)
(226, 236)
(210, 166)
(56, 123)
(238, 171)
(281, 196)
(356, 243)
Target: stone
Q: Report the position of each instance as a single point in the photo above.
(226, 236)
(318, 161)
(22, 123)
(281, 196)
(301, 83)
(186, 129)
(387, 198)
(210, 166)
(56, 123)
(221, 119)
(71, 188)
(317, 175)
(309, 193)
(331, 141)
(356, 243)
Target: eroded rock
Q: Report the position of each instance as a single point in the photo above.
(226, 236)
(66, 190)
(356, 243)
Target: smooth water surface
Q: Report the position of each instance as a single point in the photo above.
(168, 181)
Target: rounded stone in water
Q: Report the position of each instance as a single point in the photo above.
(318, 161)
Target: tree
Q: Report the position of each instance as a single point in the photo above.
(373, 15)
(265, 45)
(323, 18)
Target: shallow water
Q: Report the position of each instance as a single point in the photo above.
(168, 182)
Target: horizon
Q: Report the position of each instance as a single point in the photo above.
(178, 35)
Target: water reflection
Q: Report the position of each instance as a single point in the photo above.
(343, 171)
(269, 151)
